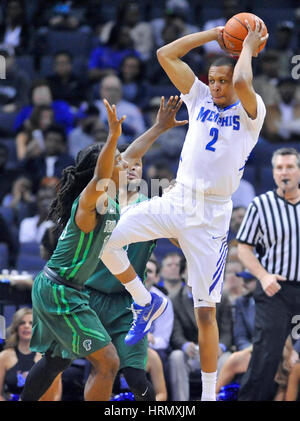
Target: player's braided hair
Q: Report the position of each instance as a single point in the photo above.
(74, 179)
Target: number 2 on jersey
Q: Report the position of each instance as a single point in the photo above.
(214, 133)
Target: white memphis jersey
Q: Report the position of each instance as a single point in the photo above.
(218, 142)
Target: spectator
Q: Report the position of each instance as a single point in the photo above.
(286, 366)
(53, 160)
(9, 175)
(160, 332)
(292, 393)
(159, 169)
(30, 138)
(237, 216)
(106, 59)
(287, 121)
(16, 360)
(155, 370)
(237, 365)
(267, 78)
(41, 94)
(128, 14)
(176, 11)
(232, 254)
(265, 84)
(230, 8)
(171, 279)
(234, 368)
(21, 199)
(243, 329)
(62, 16)
(161, 329)
(184, 358)
(233, 285)
(169, 145)
(64, 84)
(135, 87)
(160, 83)
(32, 229)
(268, 225)
(134, 125)
(284, 37)
(244, 194)
(90, 129)
(14, 31)
(14, 88)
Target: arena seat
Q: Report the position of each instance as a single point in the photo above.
(75, 42)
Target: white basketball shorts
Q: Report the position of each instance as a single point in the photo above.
(202, 235)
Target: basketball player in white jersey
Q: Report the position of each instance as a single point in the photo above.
(225, 119)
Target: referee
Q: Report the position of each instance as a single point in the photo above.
(269, 246)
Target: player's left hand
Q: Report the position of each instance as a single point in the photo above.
(255, 38)
(166, 116)
(114, 123)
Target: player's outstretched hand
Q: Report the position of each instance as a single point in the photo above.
(114, 123)
(255, 38)
(166, 115)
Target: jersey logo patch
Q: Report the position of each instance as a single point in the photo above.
(109, 226)
(87, 344)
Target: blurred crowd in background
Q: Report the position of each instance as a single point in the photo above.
(61, 59)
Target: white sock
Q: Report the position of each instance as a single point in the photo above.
(138, 292)
(209, 382)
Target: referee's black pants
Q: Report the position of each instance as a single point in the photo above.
(273, 323)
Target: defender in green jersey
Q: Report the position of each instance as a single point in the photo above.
(65, 327)
(111, 302)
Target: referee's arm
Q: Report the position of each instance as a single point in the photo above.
(247, 237)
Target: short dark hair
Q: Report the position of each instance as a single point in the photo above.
(56, 129)
(285, 151)
(224, 61)
(157, 265)
(182, 265)
(63, 53)
(171, 254)
(37, 83)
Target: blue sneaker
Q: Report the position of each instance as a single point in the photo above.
(143, 318)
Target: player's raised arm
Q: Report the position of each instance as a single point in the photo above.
(165, 120)
(242, 75)
(86, 215)
(169, 57)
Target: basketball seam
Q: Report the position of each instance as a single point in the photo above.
(240, 23)
(227, 33)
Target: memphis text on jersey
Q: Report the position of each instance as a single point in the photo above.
(210, 115)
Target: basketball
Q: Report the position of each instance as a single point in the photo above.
(235, 32)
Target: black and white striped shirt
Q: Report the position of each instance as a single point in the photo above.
(272, 226)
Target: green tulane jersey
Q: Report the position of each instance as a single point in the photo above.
(77, 254)
(138, 253)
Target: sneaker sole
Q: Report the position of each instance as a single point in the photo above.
(158, 313)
